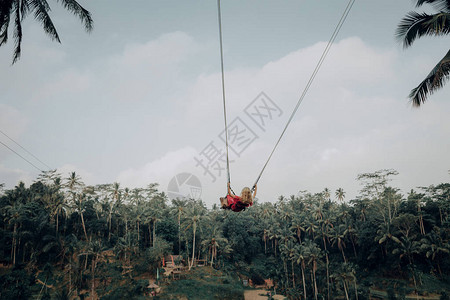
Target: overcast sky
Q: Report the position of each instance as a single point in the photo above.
(139, 99)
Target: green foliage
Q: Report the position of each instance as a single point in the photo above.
(154, 255)
(68, 234)
(19, 10)
(415, 25)
(133, 290)
(204, 283)
(16, 284)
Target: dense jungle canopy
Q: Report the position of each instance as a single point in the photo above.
(61, 238)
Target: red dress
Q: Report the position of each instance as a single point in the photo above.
(235, 203)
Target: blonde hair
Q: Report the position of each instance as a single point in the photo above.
(246, 196)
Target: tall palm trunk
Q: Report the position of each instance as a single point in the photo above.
(56, 225)
(210, 251)
(345, 289)
(303, 279)
(354, 247)
(70, 274)
(343, 255)
(154, 233)
(314, 269)
(150, 235)
(193, 245)
(94, 261)
(84, 226)
(293, 274)
(265, 242)
(109, 226)
(187, 251)
(13, 247)
(327, 266)
(315, 282)
(286, 270)
(213, 253)
(179, 233)
(138, 233)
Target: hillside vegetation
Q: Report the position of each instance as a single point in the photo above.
(62, 239)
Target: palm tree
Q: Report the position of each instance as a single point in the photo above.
(384, 233)
(55, 202)
(346, 274)
(407, 248)
(15, 214)
(311, 227)
(292, 253)
(418, 198)
(301, 259)
(74, 186)
(178, 208)
(155, 206)
(326, 227)
(18, 10)
(297, 227)
(415, 25)
(274, 236)
(194, 214)
(214, 242)
(435, 247)
(115, 193)
(93, 248)
(340, 195)
(326, 193)
(314, 253)
(80, 208)
(338, 237)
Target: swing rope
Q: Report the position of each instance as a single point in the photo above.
(308, 85)
(311, 79)
(223, 91)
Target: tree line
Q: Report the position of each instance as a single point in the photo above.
(59, 232)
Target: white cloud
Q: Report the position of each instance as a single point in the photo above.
(350, 122)
(166, 50)
(12, 121)
(11, 177)
(160, 170)
(149, 70)
(350, 63)
(69, 81)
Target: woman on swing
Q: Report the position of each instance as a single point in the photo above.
(236, 203)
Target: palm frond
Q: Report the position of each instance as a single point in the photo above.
(415, 25)
(434, 81)
(79, 11)
(440, 5)
(24, 8)
(4, 25)
(17, 31)
(41, 9)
